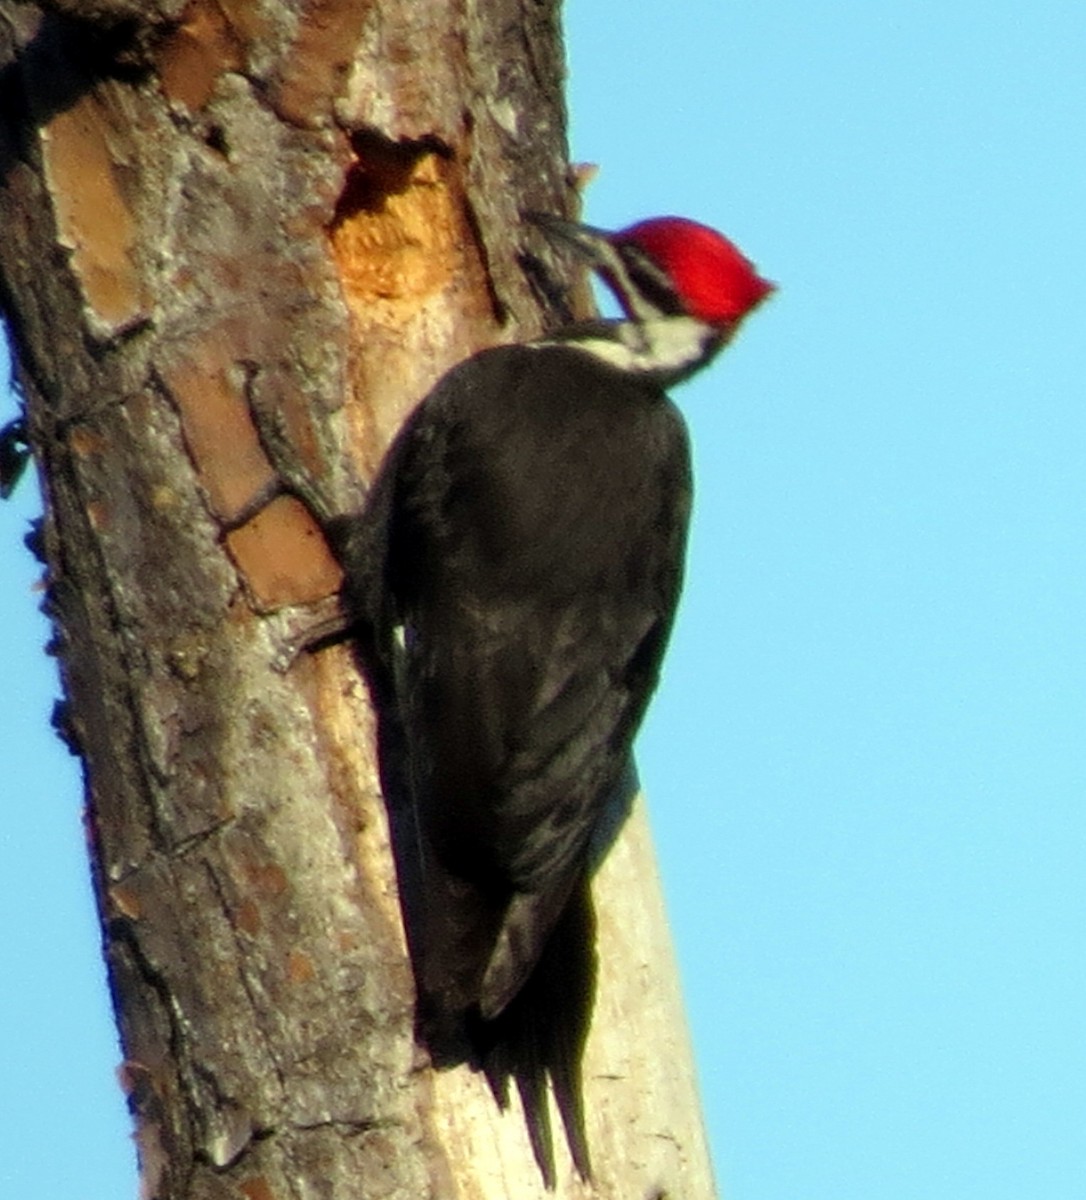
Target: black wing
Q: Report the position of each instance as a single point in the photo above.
(534, 561)
(530, 524)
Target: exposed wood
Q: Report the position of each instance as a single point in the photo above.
(225, 221)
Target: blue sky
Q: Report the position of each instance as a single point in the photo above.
(867, 761)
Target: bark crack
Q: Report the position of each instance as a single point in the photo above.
(242, 954)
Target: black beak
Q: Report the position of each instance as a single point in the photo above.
(585, 241)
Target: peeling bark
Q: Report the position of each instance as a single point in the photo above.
(228, 222)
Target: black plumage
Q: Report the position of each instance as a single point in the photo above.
(515, 580)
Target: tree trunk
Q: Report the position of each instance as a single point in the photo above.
(230, 225)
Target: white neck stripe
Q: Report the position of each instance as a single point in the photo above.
(666, 349)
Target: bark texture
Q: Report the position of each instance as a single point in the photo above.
(230, 225)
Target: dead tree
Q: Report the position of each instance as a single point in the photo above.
(227, 224)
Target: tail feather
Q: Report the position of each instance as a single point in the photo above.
(539, 1037)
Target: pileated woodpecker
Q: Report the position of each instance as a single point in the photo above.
(521, 565)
